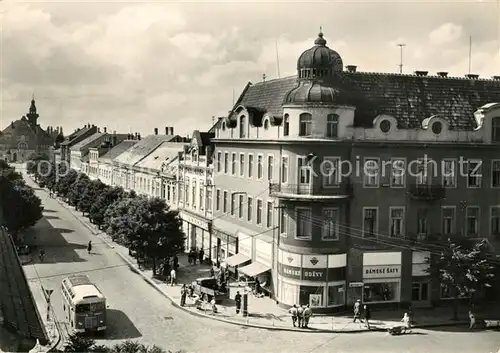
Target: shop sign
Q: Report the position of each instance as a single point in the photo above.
(356, 284)
(383, 271)
(245, 245)
(193, 220)
(290, 271)
(318, 274)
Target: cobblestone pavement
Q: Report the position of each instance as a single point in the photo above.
(137, 311)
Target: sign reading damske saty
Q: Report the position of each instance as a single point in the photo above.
(382, 271)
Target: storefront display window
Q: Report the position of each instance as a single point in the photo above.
(311, 295)
(381, 292)
(288, 293)
(419, 291)
(336, 295)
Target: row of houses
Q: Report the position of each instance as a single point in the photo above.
(326, 185)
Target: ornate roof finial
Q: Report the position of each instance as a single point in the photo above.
(320, 40)
(320, 29)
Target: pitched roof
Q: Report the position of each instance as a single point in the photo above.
(76, 134)
(409, 98)
(117, 150)
(142, 148)
(164, 153)
(87, 142)
(21, 127)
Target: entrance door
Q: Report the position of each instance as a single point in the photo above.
(420, 293)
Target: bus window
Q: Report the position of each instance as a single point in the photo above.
(82, 308)
(97, 306)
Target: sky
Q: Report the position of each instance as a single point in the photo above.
(133, 66)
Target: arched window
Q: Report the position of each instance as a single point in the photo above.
(242, 126)
(266, 124)
(495, 129)
(223, 126)
(286, 125)
(305, 124)
(332, 125)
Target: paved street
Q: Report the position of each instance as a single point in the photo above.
(137, 311)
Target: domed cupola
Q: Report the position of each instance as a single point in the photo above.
(318, 70)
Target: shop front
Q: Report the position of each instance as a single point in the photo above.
(261, 265)
(225, 240)
(197, 230)
(421, 281)
(317, 280)
(381, 277)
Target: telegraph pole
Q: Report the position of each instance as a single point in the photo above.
(401, 46)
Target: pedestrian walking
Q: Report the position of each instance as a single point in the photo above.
(195, 256)
(183, 294)
(293, 313)
(307, 316)
(89, 247)
(368, 315)
(407, 321)
(42, 255)
(237, 299)
(172, 277)
(176, 262)
(357, 311)
(472, 319)
(201, 256)
(300, 315)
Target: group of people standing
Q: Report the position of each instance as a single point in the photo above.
(301, 315)
(196, 255)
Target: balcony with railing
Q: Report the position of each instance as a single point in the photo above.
(427, 191)
(310, 191)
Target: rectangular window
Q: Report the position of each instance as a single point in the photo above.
(260, 166)
(286, 125)
(259, 211)
(226, 162)
(250, 209)
(250, 165)
(330, 229)
(225, 201)
(233, 163)
(424, 171)
(449, 173)
(336, 295)
(396, 221)
(202, 198)
(193, 193)
(474, 173)
(472, 215)
(330, 170)
(495, 222)
(332, 125)
(304, 170)
(242, 127)
(371, 172)
(495, 173)
(448, 219)
(495, 129)
(284, 169)
(398, 172)
(304, 223)
(422, 221)
(233, 204)
(419, 291)
(283, 222)
(240, 206)
(217, 200)
(370, 222)
(270, 167)
(305, 124)
(209, 200)
(242, 164)
(269, 217)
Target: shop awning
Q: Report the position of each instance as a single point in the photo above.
(236, 260)
(254, 269)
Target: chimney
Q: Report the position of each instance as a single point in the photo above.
(167, 130)
(472, 76)
(98, 129)
(421, 73)
(442, 74)
(114, 139)
(496, 78)
(351, 68)
(156, 131)
(105, 130)
(138, 137)
(171, 130)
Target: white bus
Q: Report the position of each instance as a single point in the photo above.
(84, 304)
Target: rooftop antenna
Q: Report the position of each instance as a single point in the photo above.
(263, 77)
(277, 59)
(401, 46)
(233, 96)
(470, 53)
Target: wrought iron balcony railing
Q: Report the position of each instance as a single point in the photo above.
(427, 191)
(288, 190)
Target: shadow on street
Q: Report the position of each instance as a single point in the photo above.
(57, 249)
(48, 211)
(119, 326)
(51, 217)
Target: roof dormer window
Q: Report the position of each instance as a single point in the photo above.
(194, 155)
(242, 127)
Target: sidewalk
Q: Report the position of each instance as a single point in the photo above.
(263, 312)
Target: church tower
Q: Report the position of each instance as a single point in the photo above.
(32, 115)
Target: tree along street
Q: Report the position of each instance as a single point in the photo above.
(138, 311)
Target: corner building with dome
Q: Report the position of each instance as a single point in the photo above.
(328, 185)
